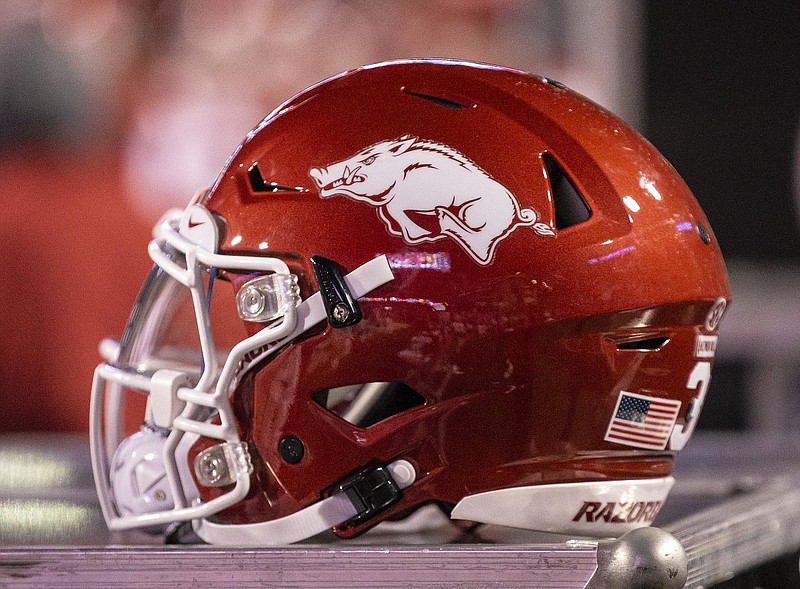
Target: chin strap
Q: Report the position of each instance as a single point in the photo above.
(356, 499)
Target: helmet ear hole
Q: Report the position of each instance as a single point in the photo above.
(364, 405)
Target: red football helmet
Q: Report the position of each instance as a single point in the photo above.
(419, 281)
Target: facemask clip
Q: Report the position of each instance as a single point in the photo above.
(267, 297)
(220, 465)
(340, 305)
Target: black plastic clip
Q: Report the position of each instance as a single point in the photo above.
(370, 490)
(340, 305)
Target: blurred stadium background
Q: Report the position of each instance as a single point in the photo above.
(111, 111)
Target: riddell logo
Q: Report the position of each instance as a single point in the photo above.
(618, 513)
(424, 191)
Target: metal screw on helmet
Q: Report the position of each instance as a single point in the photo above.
(291, 450)
(253, 301)
(341, 312)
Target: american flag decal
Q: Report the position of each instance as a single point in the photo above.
(642, 421)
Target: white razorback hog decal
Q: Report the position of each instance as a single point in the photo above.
(409, 179)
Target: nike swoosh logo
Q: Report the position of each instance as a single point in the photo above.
(193, 224)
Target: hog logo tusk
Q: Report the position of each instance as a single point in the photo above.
(347, 178)
(351, 177)
(408, 179)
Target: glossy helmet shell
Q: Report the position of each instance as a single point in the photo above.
(600, 281)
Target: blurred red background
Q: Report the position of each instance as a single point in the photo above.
(111, 112)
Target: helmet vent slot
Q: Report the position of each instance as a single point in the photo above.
(555, 83)
(258, 184)
(648, 344)
(364, 405)
(436, 99)
(570, 207)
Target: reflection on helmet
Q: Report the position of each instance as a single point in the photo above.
(419, 282)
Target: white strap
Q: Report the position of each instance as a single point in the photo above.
(310, 521)
(302, 524)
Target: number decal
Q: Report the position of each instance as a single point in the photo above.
(698, 380)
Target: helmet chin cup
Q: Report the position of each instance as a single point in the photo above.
(138, 475)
